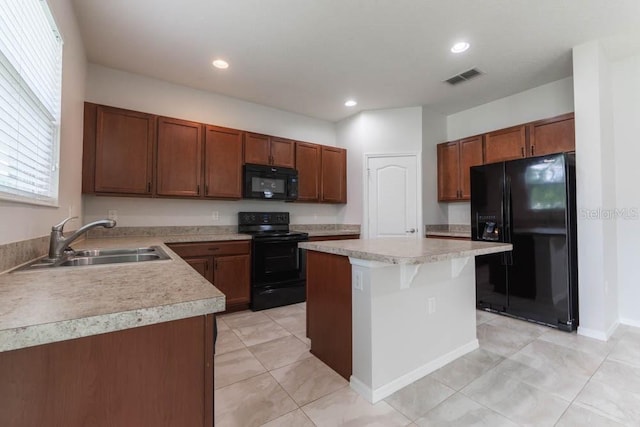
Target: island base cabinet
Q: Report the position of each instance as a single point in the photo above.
(156, 375)
(329, 310)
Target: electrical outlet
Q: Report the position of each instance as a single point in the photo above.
(215, 216)
(431, 303)
(113, 214)
(357, 280)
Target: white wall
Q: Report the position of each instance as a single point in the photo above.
(374, 132)
(541, 102)
(136, 92)
(626, 107)
(434, 131)
(21, 221)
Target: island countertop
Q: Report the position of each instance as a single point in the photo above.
(56, 304)
(406, 250)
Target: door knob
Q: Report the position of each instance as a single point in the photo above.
(413, 230)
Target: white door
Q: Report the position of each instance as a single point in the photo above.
(393, 197)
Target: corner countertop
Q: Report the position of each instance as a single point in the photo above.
(406, 250)
(57, 304)
(448, 230)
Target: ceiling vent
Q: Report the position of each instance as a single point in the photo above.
(463, 77)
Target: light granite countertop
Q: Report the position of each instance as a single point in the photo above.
(57, 304)
(322, 233)
(406, 250)
(462, 234)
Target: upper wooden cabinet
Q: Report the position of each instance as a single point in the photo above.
(179, 158)
(333, 184)
(454, 161)
(555, 135)
(308, 166)
(268, 150)
(118, 151)
(223, 162)
(505, 144)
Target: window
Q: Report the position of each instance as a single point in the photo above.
(30, 92)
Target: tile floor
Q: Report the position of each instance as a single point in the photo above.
(523, 374)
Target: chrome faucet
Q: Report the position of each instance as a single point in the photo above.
(58, 244)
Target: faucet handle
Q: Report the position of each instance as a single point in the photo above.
(60, 226)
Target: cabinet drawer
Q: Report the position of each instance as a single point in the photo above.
(210, 248)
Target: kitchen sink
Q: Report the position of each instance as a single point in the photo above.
(101, 257)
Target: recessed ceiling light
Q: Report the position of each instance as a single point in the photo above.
(220, 63)
(350, 103)
(460, 47)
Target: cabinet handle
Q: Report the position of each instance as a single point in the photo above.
(206, 266)
(148, 187)
(198, 189)
(215, 264)
(206, 189)
(532, 149)
(522, 150)
(214, 248)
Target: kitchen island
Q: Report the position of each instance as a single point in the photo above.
(119, 344)
(385, 312)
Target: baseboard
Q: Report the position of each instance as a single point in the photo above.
(596, 334)
(374, 396)
(630, 322)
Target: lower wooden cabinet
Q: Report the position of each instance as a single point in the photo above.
(150, 376)
(225, 264)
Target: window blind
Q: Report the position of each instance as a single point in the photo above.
(30, 92)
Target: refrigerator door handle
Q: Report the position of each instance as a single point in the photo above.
(507, 210)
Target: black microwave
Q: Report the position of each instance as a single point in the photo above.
(270, 183)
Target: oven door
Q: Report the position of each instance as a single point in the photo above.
(277, 262)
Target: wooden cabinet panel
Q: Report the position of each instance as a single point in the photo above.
(210, 248)
(282, 152)
(179, 157)
(223, 162)
(256, 149)
(505, 144)
(448, 171)
(333, 186)
(124, 147)
(329, 310)
(554, 135)
(308, 166)
(203, 265)
(156, 375)
(89, 148)
(470, 155)
(232, 275)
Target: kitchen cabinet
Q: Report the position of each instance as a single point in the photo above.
(333, 181)
(118, 151)
(308, 166)
(179, 158)
(269, 150)
(156, 375)
(223, 162)
(225, 264)
(554, 135)
(454, 162)
(505, 144)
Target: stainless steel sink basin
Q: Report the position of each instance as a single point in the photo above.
(101, 257)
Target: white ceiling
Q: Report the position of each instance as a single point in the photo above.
(309, 56)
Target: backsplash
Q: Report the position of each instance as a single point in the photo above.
(16, 253)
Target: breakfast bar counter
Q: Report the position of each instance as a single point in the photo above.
(385, 312)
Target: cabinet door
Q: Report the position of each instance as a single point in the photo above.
(333, 187)
(282, 152)
(554, 135)
(308, 165)
(448, 171)
(203, 265)
(179, 158)
(256, 149)
(223, 163)
(505, 144)
(470, 155)
(231, 274)
(124, 147)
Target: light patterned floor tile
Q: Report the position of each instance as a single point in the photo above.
(294, 323)
(244, 318)
(251, 402)
(308, 380)
(484, 316)
(459, 410)
(460, 372)
(516, 400)
(612, 402)
(222, 326)
(227, 341)
(519, 325)
(345, 407)
(261, 332)
(284, 311)
(235, 366)
(621, 375)
(627, 349)
(419, 397)
(280, 352)
(574, 341)
(502, 340)
(577, 416)
(295, 418)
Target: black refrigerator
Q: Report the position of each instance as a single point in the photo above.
(531, 204)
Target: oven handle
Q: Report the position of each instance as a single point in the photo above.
(280, 239)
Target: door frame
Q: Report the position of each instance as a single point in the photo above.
(365, 196)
